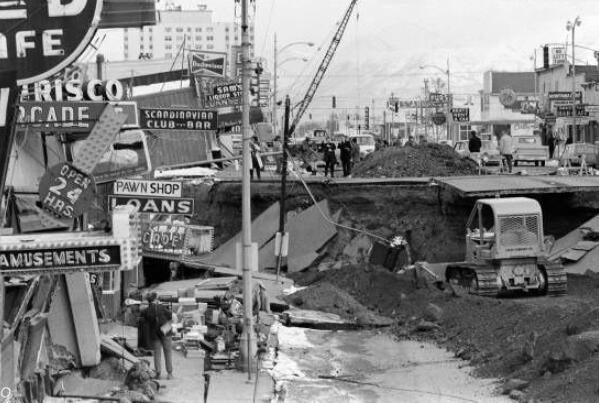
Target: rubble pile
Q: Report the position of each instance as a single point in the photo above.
(326, 297)
(543, 342)
(429, 159)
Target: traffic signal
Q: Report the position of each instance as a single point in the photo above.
(310, 116)
(334, 102)
(396, 106)
(545, 57)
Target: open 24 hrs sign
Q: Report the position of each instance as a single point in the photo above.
(65, 191)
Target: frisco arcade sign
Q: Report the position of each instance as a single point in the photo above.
(61, 258)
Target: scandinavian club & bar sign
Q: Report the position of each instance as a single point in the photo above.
(39, 38)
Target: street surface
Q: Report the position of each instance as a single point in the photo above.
(368, 366)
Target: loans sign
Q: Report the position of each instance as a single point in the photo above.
(177, 119)
(40, 38)
(137, 187)
(159, 205)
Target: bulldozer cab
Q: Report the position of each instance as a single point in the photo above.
(504, 229)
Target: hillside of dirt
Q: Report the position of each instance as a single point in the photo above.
(429, 159)
(549, 342)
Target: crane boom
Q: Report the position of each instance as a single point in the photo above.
(303, 105)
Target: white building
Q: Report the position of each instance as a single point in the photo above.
(178, 29)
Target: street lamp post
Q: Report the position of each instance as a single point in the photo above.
(446, 71)
(276, 65)
(572, 26)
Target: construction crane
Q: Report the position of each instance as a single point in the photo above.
(324, 65)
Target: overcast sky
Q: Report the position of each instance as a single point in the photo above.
(382, 49)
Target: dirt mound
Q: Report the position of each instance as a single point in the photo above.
(531, 338)
(326, 297)
(423, 160)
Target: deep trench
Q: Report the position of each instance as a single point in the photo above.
(433, 219)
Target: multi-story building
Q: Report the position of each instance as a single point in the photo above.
(177, 29)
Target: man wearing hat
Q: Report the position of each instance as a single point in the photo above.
(158, 318)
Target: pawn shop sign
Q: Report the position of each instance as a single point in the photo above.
(39, 38)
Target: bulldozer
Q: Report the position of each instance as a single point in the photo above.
(505, 251)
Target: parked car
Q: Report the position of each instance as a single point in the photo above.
(365, 142)
(530, 149)
(489, 154)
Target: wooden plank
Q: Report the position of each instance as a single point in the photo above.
(574, 255)
(60, 321)
(117, 350)
(84, 318)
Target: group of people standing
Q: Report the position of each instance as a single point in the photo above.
(349, 154)
(505, 147)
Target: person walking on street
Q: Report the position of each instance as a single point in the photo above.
(256, 163)
(505, 149)
(330, 159)
(345, 155)
(158, 317)
(277, 146)
(355, 151)
(474, 144)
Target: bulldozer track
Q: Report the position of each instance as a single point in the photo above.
(557, 282)
(486, 279)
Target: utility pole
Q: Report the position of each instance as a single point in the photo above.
(248, 346)
(283, 187)
(275, 122)
(425, 117)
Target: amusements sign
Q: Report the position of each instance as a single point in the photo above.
(460, 114)
(66, 191)
(41, 38)
(224, 95)
(16, 260)
(178, 119)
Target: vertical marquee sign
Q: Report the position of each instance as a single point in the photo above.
(40, 38)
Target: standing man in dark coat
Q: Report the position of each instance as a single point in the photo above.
(345, 155)
(330, 159)
(157, 316)
(474, 144)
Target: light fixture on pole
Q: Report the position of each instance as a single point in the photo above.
(275, 68)
(571, 26)
(445, 71)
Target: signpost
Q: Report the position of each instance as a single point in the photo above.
(439, 118)
(164, 238)
(42, 38)
(63, 252)
(460, 114)
(208, 64)
(73, 116)
(137, 187)
(224, 95)
(178, 119)
(159, 205)
(66, 191)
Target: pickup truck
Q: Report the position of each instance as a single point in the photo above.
(529, 149)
